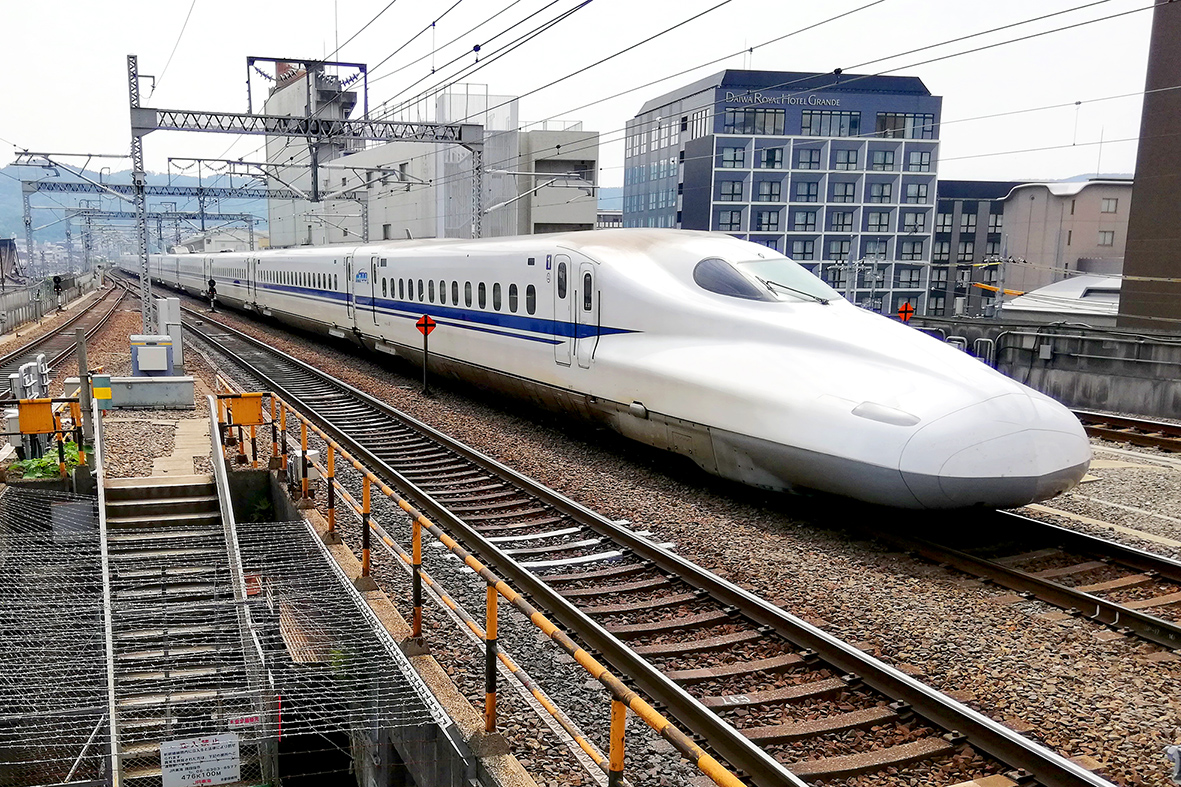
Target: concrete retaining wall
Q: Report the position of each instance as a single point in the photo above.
(1081, 366)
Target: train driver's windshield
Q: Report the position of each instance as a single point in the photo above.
(762, 280)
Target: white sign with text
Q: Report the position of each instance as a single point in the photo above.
(213, 759)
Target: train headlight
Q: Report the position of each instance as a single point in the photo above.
(886, 415)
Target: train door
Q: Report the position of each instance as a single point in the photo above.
(350, 293)
(374, 278)
(586, 307)
(563, 310)
(252, 278)
(206, 275)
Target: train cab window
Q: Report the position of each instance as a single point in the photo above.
(384, 284)
(496, 296)
(420, 298)
(430, 290)
(402, 289)
(512, 298)
(721, 277)
(587, 292)
(483, 295)
(530, 299)
(455, 292)
(561, 280)
(467, 294)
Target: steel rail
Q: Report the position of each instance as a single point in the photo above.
(31, 347)
(1049, 768)
(1109, 613)
(1154, 434)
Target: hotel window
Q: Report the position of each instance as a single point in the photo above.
(914, 222)
(911, 250)
(769, 191)
(907, 278)
(881, 192)
(652, 196)
(730, 221)
(816, 123)
(943, 222)
(807, 191)
(963, 277)
(803, 250)
(838, 250)
(733, 157)
(1106, 238)
(882, 160)
(766, 221)
(919, 161)
(805, 221)
(770, 158)
(968, 222)
(990, 275)
(905, 125)
(753, 121)
(731, 191)
(993, 247)
(941, 251)
(936, 305)
(875, 249)
(966, 252)
(879, 221)
(808, 159)
(844, 159)
(841, 221)
(1109, 205)
(836, 277)
(844, 192)
(938, 276)
(916, 193)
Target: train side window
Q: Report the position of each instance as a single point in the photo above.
(496, 296)
(530, 299)
(561, 280)
(483, 295)
(455, 292)
(420, 298)
(335, 282)
(587, 292)
(401, 291)
(467, 294)
(442, 292)
(430, 290)
(512, 298)
(384, 283)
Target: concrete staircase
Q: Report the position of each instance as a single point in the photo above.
(179, 667)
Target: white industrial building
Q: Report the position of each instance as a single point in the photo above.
(536, 181)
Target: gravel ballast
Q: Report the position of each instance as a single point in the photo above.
(1067, 683)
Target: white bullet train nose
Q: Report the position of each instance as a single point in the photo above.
(1003, 452)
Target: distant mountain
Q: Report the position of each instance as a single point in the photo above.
(12, 213)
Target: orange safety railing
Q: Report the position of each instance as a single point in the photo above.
(622, 697)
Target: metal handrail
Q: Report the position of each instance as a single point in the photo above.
(108, 608)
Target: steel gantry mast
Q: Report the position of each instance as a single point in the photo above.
(319, 130)
(138, 181)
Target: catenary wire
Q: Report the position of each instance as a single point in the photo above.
(172, 54)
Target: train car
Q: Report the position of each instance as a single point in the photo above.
(715, 348)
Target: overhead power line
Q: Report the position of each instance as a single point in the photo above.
(179, 36)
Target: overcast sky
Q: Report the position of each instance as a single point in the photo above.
(67, 84)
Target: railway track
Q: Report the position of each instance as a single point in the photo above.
(58, 345)
(1128, 590)
(778, 699)
(1137, 431)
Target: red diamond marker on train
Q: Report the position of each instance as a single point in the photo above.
(425, 325)
(905, 313)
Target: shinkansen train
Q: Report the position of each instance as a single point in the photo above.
(715, 348)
